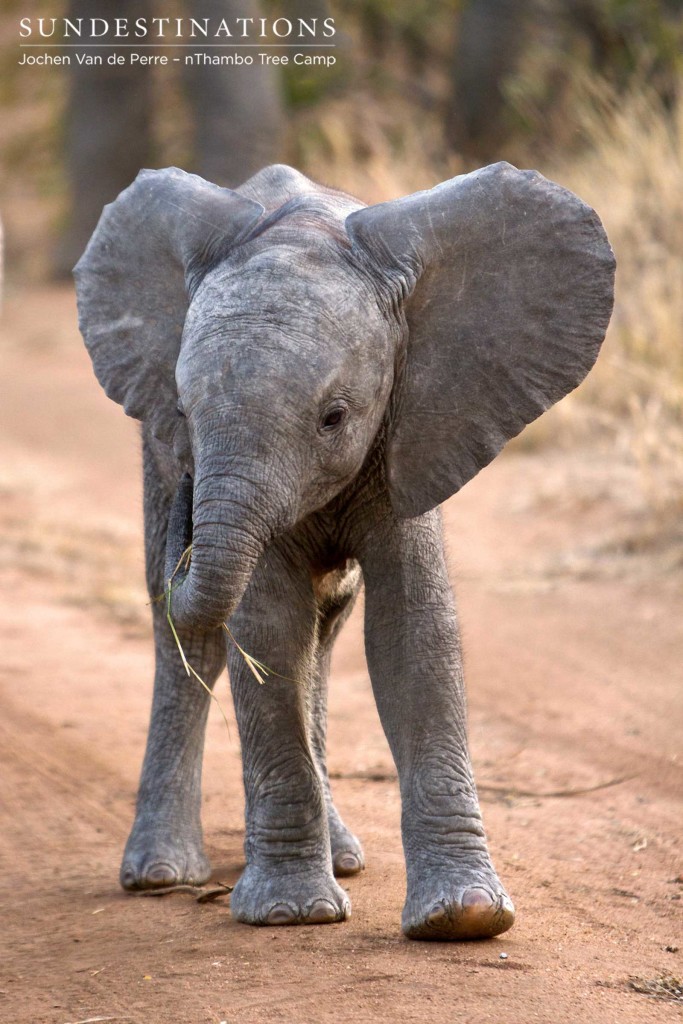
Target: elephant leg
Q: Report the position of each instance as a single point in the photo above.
(415, 665)
(288, 877)
(165, 845)
(334, 610)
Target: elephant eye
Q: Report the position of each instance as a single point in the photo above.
(333, 418)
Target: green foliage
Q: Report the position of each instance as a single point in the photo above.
(307, 86)
(625, 43)
(631, 34)
(424, 31)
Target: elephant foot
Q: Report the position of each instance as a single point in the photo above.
(463, 908)
(347, 853)
(152, 860)
(272, 898)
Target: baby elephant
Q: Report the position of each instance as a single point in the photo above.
(314, 377)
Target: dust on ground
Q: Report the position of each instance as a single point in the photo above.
(574, 678)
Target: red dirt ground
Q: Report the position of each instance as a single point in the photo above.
(574, 681)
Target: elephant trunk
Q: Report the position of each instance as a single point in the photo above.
(216, 518)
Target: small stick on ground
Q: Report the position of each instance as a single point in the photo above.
(380, 776)
(201, 895)
(168, 890)
(92, 1020)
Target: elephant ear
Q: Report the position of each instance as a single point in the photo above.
(510, 290)
(151, 247)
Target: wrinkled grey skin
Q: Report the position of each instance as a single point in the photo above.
(314, 378)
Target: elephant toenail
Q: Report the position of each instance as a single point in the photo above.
(346, 910)
(161, 874)
(322, 912)
(477, 898)
(506, 904)
(437, 915)
(281, 913)
(347, 864)
(128, 878)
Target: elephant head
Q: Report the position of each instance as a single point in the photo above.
(285, 340)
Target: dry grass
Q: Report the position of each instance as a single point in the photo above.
(371, 150)
(666, 986)
(93, 568)
(631, 172)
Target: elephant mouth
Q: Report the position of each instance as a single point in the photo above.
(179, 536)
(211, 551)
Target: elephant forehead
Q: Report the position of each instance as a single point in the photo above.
(284, 281)
(298, 354)
(282, 322)
(308, 354)
(260, 306)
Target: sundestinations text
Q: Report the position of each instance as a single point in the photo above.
(176, 28)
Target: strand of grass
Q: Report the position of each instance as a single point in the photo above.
(169, 619)
(186, 665)
(186, 556)
(257, 667)
(192, 672)
(158, 598)
(254, 666)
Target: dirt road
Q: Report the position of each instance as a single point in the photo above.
(574, 678)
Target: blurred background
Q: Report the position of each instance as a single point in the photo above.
(587, 91)
(566, 552)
